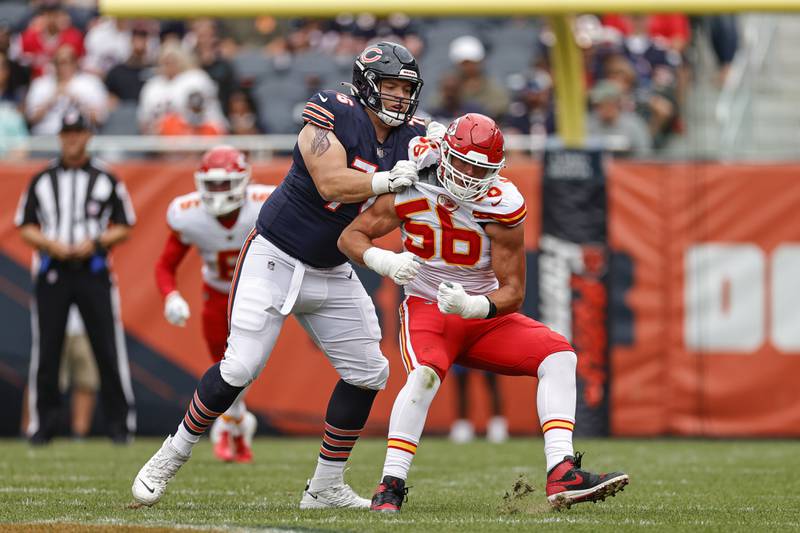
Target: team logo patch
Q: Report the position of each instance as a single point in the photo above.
(372, 54)
(447, 202)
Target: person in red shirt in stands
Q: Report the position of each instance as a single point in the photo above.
(46, 33)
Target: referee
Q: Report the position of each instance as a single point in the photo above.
(72, 213)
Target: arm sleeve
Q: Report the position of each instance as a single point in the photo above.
(28, 207)
(121, 207)
(171, 256)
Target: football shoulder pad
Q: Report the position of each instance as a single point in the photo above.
(503, 203)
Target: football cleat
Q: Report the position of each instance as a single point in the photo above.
(340, 496)
(151, 481)
(243, 453)
(568, 484)
(389, 496)
(462, 431)
(223, 449)
(497, 430)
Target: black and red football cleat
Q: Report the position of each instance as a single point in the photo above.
(390, 495)
(568, 484)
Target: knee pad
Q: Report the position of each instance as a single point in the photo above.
(374, 377)
(423, 384)
(235, 372)
(559, 362)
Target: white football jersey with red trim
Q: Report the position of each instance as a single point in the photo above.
(218, 246)
(448, 234)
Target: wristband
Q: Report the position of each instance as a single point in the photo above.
(492, 308)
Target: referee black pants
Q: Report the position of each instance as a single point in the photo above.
(55, 290)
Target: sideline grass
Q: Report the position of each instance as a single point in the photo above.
(675, 485)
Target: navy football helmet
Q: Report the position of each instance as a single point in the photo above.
(386, 60)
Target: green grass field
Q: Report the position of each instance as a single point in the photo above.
(675, 485)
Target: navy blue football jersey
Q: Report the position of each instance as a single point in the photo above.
(295, 218)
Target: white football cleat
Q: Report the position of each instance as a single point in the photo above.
(340, 496)
(152, 479)
(497, 430)
(462, 431)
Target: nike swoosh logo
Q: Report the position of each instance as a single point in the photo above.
(312, 494)
(323, 98)
(577, 481)
(147, 487)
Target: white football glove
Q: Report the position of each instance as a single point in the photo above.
(452, 299)
(401, 268)
(435, 131)
(404, 174)
(176, 310)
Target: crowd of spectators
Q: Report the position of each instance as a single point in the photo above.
(249, 76)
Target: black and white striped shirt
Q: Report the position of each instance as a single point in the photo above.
(71, 205)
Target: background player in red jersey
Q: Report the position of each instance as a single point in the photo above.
(215, 219)
(462, 228)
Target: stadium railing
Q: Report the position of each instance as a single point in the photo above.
(258, 146)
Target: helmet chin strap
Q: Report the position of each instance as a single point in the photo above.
(382, 114)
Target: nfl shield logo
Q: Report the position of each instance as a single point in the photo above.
(380, 152)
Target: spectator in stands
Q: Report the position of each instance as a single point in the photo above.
(242, 114)
(624, 132)
(724, 40)
(19, 76)
(656, 103)
(107, 43)
(531, 112)
(52, 94)
(207, 50)
(48, 32)
(13, 130)
(125, 80)
(195, 120)
(169, 90)
(451, 101)
(672, 29)
(467, 54)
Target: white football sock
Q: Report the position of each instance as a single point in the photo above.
(555, 403)
(183, 441)
(408, 419)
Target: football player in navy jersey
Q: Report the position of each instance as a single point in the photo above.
(351, 149)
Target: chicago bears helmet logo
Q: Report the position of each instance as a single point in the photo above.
(370, 55)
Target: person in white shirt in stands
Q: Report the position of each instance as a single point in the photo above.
(169, 90)
(66, 87)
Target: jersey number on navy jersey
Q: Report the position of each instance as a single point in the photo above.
(358, 164)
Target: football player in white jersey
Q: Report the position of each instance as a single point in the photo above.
(464, 277)
(216, 219)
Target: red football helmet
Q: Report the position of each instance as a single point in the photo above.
(221, 179)
(472, 156)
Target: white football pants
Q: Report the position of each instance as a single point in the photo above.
(330, 304)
